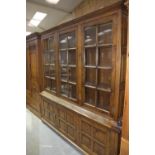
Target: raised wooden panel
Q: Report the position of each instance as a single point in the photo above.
(85, 127)
(70, 118)
(86, 142)
(33, 77)
(71, 132)
(98, 149)
(62, 126)
(62, 113)
(52, 118)
(99, 135)
(89, 135)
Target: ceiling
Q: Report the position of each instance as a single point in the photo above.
(56, 13)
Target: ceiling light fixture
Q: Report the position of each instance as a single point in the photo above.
(53, 1)
(37, 18)
(34, 22)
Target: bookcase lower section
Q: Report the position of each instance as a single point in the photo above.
(90, 136)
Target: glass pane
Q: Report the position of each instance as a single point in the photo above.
(104, 78)
(72, 91)
(71, 40)
(63, 57)
(53, 85)
(90, 96)
(72, 74)
(90, 35)
(47, 84)
(52, 71)
(103, 100)
(64, 89)
(72, 57)
(63, 41)
(105, 57)
(90, 76)
(47, 58)
(52, 58)
(45, 44)
(46, 70)
(51, 43)
(64, 73)
(90, 56)
(105, 33)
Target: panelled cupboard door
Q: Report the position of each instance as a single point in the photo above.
(68, 63)
(28, 74)
(33, 75)
(99, 48)
(49, 63)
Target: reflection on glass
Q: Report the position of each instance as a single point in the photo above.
(64, 89)
(63, 55)
(51, 43)
(63, 41)
(90, 96)
(90, 35)
(64, 73)
(105, 33)
(71, 40)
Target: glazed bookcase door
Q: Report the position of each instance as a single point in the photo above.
(99, 68)
(49, 57)
(68, 65)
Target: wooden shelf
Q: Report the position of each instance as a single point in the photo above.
(90, 85)
(63, 49)
(73, 48)
(104, 88)
(63, 65)
(50, 77)
(72, 66)
(89, 66)
(73, 99)
(72, 82)
(105, 45)
(50, 90)
(62, 80)
(104, 67)
(90, 46)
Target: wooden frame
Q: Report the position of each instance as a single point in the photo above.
(55, 108)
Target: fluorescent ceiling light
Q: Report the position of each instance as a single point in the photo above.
(53, 1)
(34, 22)
(28, 33)
(39, 16)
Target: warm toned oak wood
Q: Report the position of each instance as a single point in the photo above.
(34, 73)
(92, 132)
(125, 128)
(94, 68)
